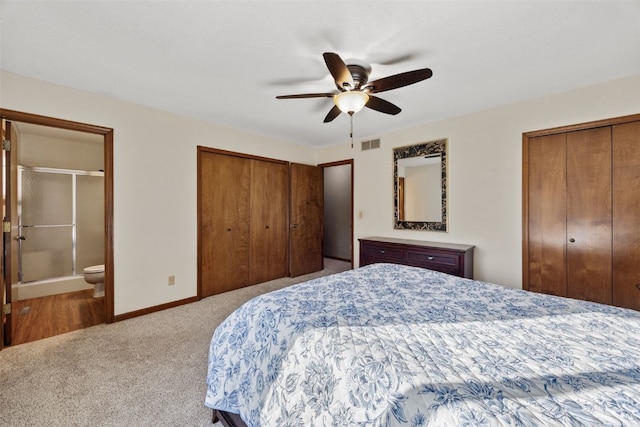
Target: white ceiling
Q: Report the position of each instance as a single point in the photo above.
(225, 61)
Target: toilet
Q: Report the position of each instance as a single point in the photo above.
(95, 276)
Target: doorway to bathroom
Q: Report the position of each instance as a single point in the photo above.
(58, 219)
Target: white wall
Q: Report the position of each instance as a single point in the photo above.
(484, 175)
(154, 182)
(59, 153)
(155, 177)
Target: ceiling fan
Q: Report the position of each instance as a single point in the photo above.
(354, 89)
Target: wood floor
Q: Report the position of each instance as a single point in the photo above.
(37, 318)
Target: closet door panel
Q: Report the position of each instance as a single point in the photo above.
(224, 223)
(547, 215)
(589, 265)
(269, 211)
(626, 215)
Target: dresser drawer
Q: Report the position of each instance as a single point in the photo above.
(433, 260)
(372, 253)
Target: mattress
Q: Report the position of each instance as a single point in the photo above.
(391, 345)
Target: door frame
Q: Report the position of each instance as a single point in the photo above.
(107, 134)
(342, 163)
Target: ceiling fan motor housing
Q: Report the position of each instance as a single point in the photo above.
(359, 72)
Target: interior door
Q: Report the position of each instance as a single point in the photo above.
(224, 222)
(269, 202)
(5, 331)
(589, 247)
(626, 215)
(547, 215)
(306, 219)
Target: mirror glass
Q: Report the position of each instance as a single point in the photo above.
(420, 186)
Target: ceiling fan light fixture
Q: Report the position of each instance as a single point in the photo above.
(351, 102)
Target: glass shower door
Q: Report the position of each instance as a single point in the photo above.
(46, 225)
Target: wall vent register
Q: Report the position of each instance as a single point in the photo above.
(370, 145)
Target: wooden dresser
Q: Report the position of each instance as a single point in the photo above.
(451, 258)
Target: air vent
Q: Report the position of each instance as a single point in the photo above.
(371, 144)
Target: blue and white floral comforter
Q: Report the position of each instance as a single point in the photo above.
(394, 345)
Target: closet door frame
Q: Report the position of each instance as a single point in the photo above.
(526, 137)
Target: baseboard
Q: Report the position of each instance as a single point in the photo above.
(149, 310)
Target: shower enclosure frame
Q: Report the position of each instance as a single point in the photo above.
(74, 173)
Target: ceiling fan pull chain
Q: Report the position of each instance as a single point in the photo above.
(351, 129)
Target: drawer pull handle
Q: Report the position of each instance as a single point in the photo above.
(430, 258)
(381, 252)
(638, 286)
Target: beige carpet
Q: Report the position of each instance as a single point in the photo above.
(146, 371)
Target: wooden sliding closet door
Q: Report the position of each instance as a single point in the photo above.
(224, 222)
(581, 233)
(626, 215)
(243, 220)
(547, 227)
(269, 205)
(589, 275)
(569, 212)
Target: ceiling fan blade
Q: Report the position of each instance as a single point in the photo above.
(398, 80)
(388, 59)
(338, 70)
(306, 95)
(333, 113)
(381, 105)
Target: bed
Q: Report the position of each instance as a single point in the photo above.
(391, 345)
